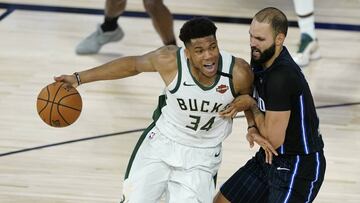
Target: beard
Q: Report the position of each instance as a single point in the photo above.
(264, 56)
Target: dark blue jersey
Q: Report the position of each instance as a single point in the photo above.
(283, 87)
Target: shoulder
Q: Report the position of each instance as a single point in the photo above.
(157, 58)
(283, 78)
(164, 60)
(164, 57)
(242, 69)
(168, 49)
(282, 72)
(241, 64)
(242, 76)
(166, 53)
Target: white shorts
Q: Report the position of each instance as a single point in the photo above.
(164, 167)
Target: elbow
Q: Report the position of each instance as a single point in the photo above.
(276, 140)
(274, 135)
(276, 144)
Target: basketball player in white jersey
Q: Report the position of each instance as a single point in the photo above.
(308, 48)
(179, 155)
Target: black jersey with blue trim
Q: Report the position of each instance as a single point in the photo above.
(283, 87)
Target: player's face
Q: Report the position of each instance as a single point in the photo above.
(262, 42)
(203, 54)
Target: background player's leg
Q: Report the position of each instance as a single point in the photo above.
(308, 48)
(305, 16)
(108, 31)
(114, 8)
(161, 19)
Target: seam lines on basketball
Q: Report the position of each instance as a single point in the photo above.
(63, 105)
(58, 106)
(59, 103)
(47, 100)
(58, 110)
(52, 103)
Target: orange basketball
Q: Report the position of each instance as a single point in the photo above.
(59, 104)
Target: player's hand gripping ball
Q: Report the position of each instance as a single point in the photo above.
(59, 104)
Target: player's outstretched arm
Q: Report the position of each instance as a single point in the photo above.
(125, 67)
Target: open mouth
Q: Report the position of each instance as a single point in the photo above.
(210, 67)
(255, 53)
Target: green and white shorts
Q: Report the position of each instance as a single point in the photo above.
(161, 168)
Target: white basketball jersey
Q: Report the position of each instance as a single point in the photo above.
(191, 114)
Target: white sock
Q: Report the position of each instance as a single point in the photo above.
(305, 11)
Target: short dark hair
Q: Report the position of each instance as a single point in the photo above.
(276, 18)
(197, 28)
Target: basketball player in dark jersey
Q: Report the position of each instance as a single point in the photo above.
(284, 114)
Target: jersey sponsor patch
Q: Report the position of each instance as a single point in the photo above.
(222, 88)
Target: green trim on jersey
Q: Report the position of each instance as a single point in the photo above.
(155, 117)
(232, 88)
(217, 76)
(215, 179)
(161, 103)
(178, 58)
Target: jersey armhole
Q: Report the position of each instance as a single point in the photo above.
(231, 78)
(179, 73)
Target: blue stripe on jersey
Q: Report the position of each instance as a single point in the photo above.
(303, 124)
(292, 178)
(316, 176)
(282, 149)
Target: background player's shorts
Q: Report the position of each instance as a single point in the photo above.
(288, 179)
(161, 166)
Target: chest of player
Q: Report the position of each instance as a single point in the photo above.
(193, 98)
(260, 91)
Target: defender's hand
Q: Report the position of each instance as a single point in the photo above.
(240, 103)
(253, 135)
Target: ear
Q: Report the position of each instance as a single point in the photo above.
(187, 52)
(280, 38)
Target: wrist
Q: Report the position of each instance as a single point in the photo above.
(77, 77)
(253, 105)
(251, 126)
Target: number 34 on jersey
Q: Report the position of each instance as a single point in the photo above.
(204, 106)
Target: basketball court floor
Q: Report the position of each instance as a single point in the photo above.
(86, 162)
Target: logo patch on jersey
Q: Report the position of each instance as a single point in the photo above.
(222, 88)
